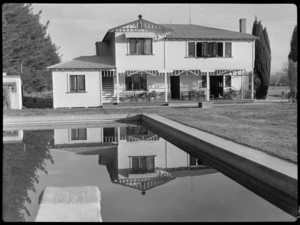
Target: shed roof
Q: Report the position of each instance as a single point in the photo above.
(200, 32)
(87, 62)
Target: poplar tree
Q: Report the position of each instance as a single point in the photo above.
(27, 48)
(293, 55)
(262, 62)
(292, 64)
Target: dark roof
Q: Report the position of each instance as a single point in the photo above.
(87, 62)
(201, 32)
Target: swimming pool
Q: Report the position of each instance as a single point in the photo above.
(141, 176)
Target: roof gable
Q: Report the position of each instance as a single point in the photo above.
(140, 25)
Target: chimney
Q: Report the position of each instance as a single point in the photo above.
(243, 25)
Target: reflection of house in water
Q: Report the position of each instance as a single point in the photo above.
(13, 136)
(134, 156)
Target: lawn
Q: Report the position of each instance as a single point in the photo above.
(269, 127)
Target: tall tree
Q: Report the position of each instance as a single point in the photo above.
(262, 62)
(27, 47)
(293, 55)
(292, 64)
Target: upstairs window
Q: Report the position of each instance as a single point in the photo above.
(140, 46)
(228, 49)
(77, 83)
(142, 164)
(207, 49)
(192, 50)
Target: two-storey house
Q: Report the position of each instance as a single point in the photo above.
(144, 61)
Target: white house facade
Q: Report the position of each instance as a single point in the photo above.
(134, 156)
(144, 61)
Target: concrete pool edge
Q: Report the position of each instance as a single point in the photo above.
(270, 177)
(42, 122)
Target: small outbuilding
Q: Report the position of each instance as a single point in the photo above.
(13, 84)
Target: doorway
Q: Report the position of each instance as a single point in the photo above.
(175, 87)
(216, 86)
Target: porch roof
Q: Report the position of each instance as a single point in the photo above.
(186, 31)
(86, 62)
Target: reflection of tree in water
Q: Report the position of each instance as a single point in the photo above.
(20, 172)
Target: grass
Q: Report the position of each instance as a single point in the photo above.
(276, 91)
(269, 127)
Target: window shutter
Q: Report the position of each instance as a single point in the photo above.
(191, 48)
(72, 83)
(81, 83)
(215, 49)
(140, 46)
(228, 49)
(132, 45)
(148, 46)
(74, 134)
(204, 49)
(82, 134)
(199, 49)
(220, 49)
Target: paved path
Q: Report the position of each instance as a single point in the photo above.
(70, 204)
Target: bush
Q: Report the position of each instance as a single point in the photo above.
(6, 98)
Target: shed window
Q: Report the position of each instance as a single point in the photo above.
(77, 83)
(12, 86)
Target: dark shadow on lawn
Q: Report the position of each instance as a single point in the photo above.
(34, 103)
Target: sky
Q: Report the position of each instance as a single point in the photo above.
(75, 28)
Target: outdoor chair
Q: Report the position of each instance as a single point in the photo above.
(141, 96)
(201, 95)
(193, 95)
(184, 95)
(152, 95)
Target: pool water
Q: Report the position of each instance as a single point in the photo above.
(141, 176)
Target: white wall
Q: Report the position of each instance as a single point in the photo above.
(167, 156)
(63, 98)
(176, 57)
(63, 136)
(143, 62)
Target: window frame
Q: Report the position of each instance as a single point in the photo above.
(135, 77)
(12, 86)
(139, 169)
(228, 79)
(208, 49)
(140, 46)
(76, 84)
(78, 134)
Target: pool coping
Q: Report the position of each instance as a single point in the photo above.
(271, 177)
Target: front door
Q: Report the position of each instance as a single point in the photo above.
(175, 87)
(216, 86)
